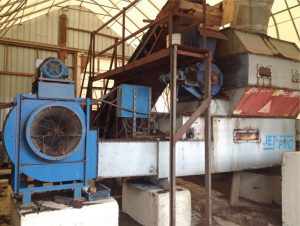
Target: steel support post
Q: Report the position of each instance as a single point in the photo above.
(123, 36)
(208, 202)
(207, 94)
(93, 55)
(173, 79)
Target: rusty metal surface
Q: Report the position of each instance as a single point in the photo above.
(159, 59)
(183, 129)
(246, 135)
(245, 42)
(268, 102)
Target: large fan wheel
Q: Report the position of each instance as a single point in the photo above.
(54, 132)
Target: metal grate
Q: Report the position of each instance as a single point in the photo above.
(56, 131)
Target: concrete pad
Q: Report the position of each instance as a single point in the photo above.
(149, 205)
(104, 212)
(260, 187)
(223, 222)
(291, 189)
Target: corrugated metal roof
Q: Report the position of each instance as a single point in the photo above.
(284, 22)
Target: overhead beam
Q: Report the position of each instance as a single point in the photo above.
(17, 10)
(154, 5)
(45, 46)
(8, 3)
(108, 13)
(35, 4)
(8, 16)
(106, 6)
(16, 74)
(116, 16)
(89, 32)
(125, 14)
(80, 10)
(32, 13)
(50, 7)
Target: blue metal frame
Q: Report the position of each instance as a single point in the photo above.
(27, 192)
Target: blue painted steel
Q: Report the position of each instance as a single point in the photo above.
(76, 193)
(92, 154)
(50, 188)
(79, 165)
(50, 89)
(54, 68)
(196, 87)
(27, 192)
(215, 71)
(26, 199)
(130, 95)
(37, 165)
(101, 193)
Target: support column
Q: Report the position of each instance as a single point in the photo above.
(62, 36)
(173, 81)
(149, 204)
(235, 188)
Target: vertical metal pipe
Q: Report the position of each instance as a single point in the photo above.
(173, 73)
(91, 59)
(204, 25)
(123, 37)
(86, 183)
(93, 54)
(75, 72)
(116, 53)
(62, 36)
(17, 147)
(208, 201)
(85, 69)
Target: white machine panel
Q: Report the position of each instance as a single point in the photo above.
(284, 73)
(238, 144)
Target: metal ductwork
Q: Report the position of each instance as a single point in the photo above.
(247, 15)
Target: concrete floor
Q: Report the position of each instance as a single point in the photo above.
(245, 213)
(5, 192)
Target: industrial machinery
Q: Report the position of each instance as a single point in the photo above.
(254, 106)
(255, 103)
(47, 135)
(192, 79)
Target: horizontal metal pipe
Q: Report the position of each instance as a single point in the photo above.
(45, 46)
(87, 31)
(16, 73)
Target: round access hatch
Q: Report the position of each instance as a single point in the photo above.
(54, 132)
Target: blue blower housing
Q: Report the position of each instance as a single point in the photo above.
(48, 138)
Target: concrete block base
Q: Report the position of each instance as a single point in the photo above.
(260, 188)
(47, 213)
(149, 205)
(291, 189)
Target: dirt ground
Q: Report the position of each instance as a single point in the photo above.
(245, 213)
